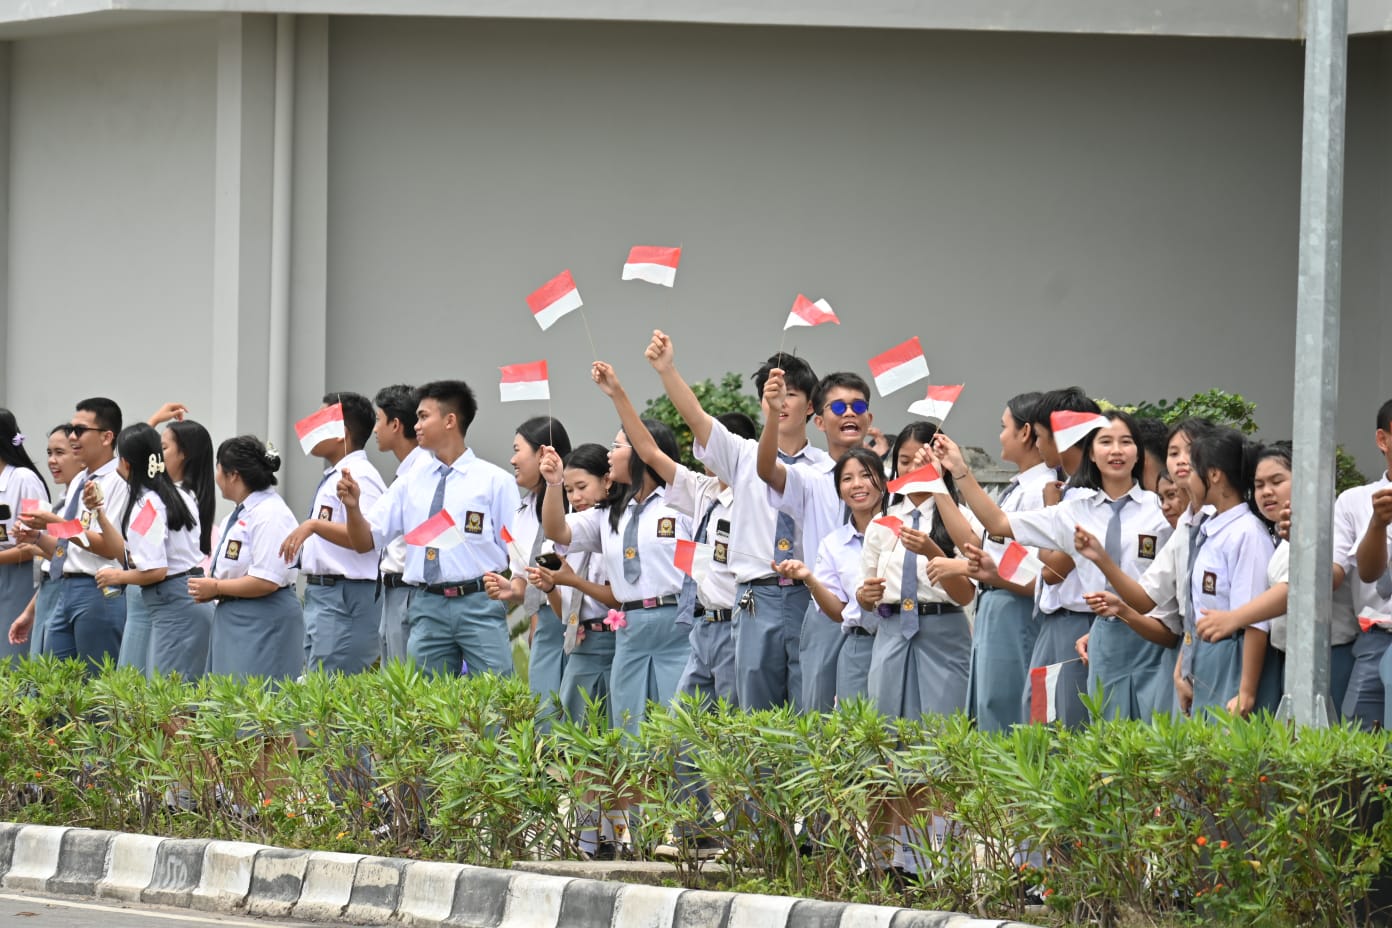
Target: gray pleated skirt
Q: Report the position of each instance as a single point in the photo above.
(925, 674)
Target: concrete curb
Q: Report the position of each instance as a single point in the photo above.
(236, 877)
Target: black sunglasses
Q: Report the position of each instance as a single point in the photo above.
(839, 407)
(77, 431)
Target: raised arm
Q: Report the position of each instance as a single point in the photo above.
(662, 357)
(771, 470)
(553, 520)
(1372, 550)
(982, 506)
(638, 435)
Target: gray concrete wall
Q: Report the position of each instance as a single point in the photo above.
(110, 222)
(1040, 210)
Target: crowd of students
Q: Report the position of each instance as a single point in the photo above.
(1163, 585)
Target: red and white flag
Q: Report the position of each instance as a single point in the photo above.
(924, 480)
(554, 299)
(438, 531)
(893, 523)
(1018, 564)
(317, 426)
(27, 506)
(1069, 428)
(938, 403)
(806, 312)
(1371, 619)
(69, 529)
(1044, 693)
(144, 519)
(694, 559)
(899, 366)
(655, 265)
(524, 382)
(505, 535)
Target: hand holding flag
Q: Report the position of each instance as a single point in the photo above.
(893, 523)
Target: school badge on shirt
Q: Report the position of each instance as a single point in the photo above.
(473, 523)
(4, 534)
(1146, 547)
(1210, 582)
(234, 550)
(784, 544)
(87, 519)
(326, 513)
(666, 527)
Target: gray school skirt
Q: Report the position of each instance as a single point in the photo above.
(50, 596)
(1002, 643)
(135, 640)
(1134, 676)
(1217, 672)
(1058, 644)
(179, 629)
(819, 648)
(925, 674)
(547, 660)
(853, 666)
(262, 637)
(586, 676)
(16, 589)
(649, 656)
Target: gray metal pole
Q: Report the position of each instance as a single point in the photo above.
(1317, 362)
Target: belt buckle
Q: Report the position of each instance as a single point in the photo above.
(786, 581)
(650, 602)
(450, 592)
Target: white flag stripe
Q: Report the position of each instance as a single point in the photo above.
(652, 273)
(524, 390)
(931, 409)
(896, 378)
(567, 302)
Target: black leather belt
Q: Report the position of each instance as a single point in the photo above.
(859, 632)
(394, 581)
(331, 579)
(775, 580)
(452, 590)
(652, 602)
(885, 610)
(713, 615)
(191, 572)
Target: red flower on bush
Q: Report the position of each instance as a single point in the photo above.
(1201, 841)
(1222, 845)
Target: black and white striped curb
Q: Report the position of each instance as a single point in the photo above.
(236, 877)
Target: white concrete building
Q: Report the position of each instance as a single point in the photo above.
(240, 205)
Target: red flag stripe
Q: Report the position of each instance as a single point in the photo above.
(524, 373)
(899, 354)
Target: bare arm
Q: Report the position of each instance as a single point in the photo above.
(638, 435)
(553, 520)
(1372, 550)
(771, 470)
(359, 529)
(661, 356)
(982, 506)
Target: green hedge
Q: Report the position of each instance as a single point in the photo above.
(1231, 821)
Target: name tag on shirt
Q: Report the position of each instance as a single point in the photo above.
(4, 533)
(1146, 547)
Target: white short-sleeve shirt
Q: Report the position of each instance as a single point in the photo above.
(321, 556)
(176, 551)
(16, 484)
(115, 491)
(250, 546)
(659, 527)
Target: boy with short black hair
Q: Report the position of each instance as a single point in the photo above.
(396, 435)
(341, 618)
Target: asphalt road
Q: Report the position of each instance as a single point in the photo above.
(26, 910)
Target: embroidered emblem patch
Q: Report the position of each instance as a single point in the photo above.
(473, 523)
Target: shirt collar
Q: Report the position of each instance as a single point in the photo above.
(660, 492)
(409, 462)
(726, 497)
(108, 468)
(1222, 520)
(462, 462)
(256, 499)
(346, 460)
(1040, 471)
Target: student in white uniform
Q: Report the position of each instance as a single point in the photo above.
(19, 480)
(1362, 516)
(258, 625)
(1005, 626)
(1108, 506)
(546, 637)
(1234, 548)
(88, 624)
(768, 631)
(455, 626)
(396, 435)
(811, 497)
(161, 533)
(859, 479)
(341, 617)
(33, 622)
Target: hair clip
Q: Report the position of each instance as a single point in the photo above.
(156, 465)
(18, 439)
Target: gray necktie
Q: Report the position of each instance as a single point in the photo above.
(785, 529)
(573, 600)
(60, 551)
(1112, 544)
(222, 542)
(632, 565)
(1197, 537)
(908, 586)
(432, 572)
(533, 599)
(1384, 585)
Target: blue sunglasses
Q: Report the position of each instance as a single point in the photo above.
(839, 407)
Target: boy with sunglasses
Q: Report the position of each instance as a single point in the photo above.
(841, 402)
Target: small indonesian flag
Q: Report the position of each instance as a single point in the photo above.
(314, 428)
(27, 506)
(655, 265)
(524, 382)
(69, 529)
(1044, 693)
(924, 480)
(694, 559)
(938, 403)
(505, 535)
(554, 299)
(1371, 619)
(899, 366)
(144, 519)
(805, 312)
(1018, 565)
(1069, 428)
(893, 523)
(439, 531)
